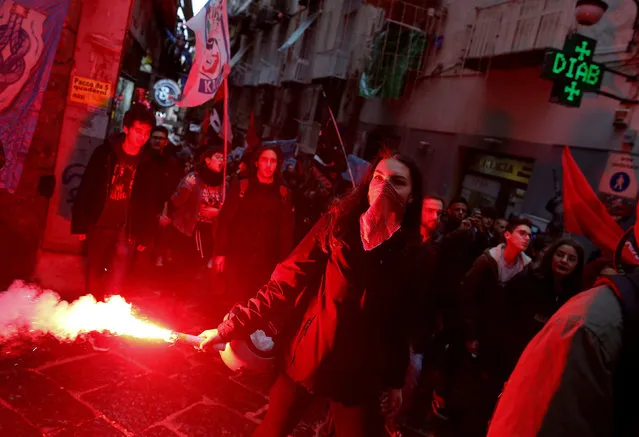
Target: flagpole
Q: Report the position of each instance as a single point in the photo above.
(226, 133)
(339, 137)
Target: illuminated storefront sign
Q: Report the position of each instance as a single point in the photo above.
(572, 70)
(506, 168)
(166, 92)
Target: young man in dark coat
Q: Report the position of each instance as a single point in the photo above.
(483, 304)
(255, 229)
(101, 212)
(157, 177)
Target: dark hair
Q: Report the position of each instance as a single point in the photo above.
(572, 282)
(138, 113)
(433, 197)
(517, 221)
(208, 153)
(257, 153)
(540, 242)
(343, 215)
(162, 129)
(278, 152)
(458, 199)
(489, 212)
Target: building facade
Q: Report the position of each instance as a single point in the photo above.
(289, 73)
(102, 44)
(478, 117)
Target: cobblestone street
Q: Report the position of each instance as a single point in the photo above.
(137, 388)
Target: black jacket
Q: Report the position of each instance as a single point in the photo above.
(532, 299)
(92, 192)
(255, 223)
(487, 305)
(358, 309)
(156, 179)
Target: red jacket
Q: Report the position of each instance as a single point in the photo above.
(358, 309)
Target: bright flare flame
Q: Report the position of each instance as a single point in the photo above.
(115, 315)
(39, 311)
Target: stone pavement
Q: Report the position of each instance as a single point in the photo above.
(137, 388)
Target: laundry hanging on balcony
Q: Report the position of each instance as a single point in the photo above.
(396, 49)
(298, 32)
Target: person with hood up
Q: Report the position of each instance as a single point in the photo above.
(101, 212)
(579, 375)
(352, 279)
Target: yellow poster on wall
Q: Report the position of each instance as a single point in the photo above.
(90, 92)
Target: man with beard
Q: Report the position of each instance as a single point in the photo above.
(432, 209)
(255, 228)
(455, 215)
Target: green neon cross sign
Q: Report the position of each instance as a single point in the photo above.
(583, 51)
(572, 70)
(572, 91)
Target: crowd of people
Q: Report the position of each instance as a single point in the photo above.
(385, 293)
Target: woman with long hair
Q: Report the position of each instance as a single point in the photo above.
(537, 293)
(352, 278)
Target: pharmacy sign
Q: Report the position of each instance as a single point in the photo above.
(572, 70)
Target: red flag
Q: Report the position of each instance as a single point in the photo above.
(584, 214)
(219, 95)
(251, 136)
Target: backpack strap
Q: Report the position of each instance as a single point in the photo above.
(626, 288)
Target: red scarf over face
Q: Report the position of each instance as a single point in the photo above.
(383, 218)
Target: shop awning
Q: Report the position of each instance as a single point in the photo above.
(299, 31)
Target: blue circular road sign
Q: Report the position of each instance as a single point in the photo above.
(619, 182)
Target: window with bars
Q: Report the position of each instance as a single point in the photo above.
(520, 25)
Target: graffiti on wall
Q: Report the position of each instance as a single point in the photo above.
(29, 34)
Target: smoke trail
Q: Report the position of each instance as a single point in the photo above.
(28, 308)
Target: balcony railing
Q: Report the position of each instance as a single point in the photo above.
(333, 63)
(298, 70)
(516, 26)
(269, 74)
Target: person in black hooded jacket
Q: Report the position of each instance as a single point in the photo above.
(101, 212)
